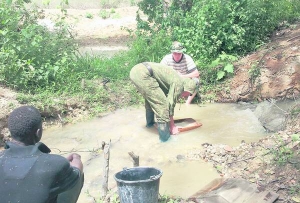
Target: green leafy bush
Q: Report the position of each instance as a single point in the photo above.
(234, 27)
(224, 65)
(208, 28)
(104, 14)
(89, 15)
(32, 56)
(150, 47)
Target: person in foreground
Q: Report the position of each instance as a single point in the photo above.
(161, 87)
(183, 64)
(28, 173)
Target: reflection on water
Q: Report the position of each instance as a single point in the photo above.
(222, 124)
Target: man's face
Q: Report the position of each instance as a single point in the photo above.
(177, 56)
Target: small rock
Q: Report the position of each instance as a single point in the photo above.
(228, 148)
(180, 157)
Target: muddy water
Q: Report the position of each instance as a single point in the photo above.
(222, 124)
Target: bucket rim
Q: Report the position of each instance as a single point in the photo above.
(139, 181)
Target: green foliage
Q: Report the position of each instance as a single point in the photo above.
(104, 14)
(167, 199)
(95, 67)
(295, 137)
(36, 60)
(89, 15)
(112, 10)
(115, 16)
(216, 71)
(223, 65)
(295, 190)
(95, 95)
(235, 27)
(147, 47)
(295, 111)
(115, 198)
(254, 72)
(153, 9)
(133, 2)
(163, 15)
(209, 28)
(109, 3)
(283, 153)
(32, 56)
(219, 168)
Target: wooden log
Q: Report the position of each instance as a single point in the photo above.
(106, 150)
(135, 159)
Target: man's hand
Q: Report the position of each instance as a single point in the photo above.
(75, 161)
(174, 130)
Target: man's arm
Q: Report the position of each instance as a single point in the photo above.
(190, 98)
(173, 128)
(192, 71)
(65, 176)
(193, 74)
(71, 195)
(173, 95)
(164, 60)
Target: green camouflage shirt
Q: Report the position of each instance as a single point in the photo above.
(168, 80)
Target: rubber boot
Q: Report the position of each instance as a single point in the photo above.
(149, 118)
(163, 131)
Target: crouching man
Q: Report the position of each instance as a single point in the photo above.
(161, 87)
(28, 173)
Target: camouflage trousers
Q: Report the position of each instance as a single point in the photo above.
(155, 98)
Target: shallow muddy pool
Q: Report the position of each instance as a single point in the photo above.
(222, 124)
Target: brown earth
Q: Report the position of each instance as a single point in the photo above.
(97, 30)
(275, 70)
(276, 74)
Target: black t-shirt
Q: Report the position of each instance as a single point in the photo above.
(29, 174)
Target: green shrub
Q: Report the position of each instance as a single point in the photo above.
(32, 56)
(104, 14)
(208, 28)
(150, 47)
(223, 65)
(89, 15)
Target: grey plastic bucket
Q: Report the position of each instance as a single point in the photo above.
(138, 184)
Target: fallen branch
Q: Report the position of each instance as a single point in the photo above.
(106, 148)
(135, 158)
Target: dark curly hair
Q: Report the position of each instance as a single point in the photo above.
(23, 122)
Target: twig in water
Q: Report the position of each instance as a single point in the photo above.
(106, 156)
(94, 150)
(135, 158)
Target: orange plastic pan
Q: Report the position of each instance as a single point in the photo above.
(186, 124)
